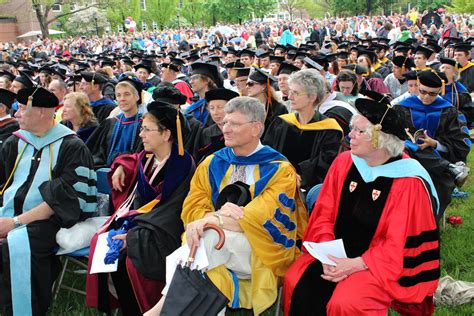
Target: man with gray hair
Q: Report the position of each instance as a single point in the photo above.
(250, 191)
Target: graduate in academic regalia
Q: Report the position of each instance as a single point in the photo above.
(396, 83)
(444, 142)
(92, 84)
(211, 139)
(381, 204)
(161, 175)
(259, 85)
(307, 138)
(119, 134)
(8, 124)
(190, 126)
(462, 54)
(47, 181)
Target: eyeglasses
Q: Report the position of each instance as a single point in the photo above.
(251, 83)
(196, 77)
(233, 125)
(358, 131)
(145, 129)
(431, 94)
(296, 93)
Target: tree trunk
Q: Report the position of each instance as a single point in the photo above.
(42, 20)
(369, 7)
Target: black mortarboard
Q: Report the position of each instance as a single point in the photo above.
(449, 61)
(220, 94)
(7, 74)
(262, 53)
(171, 66)
(433, 44)
(146, 66)
(261, 76)
(403, 61)
(410, 75)
(287, 68)
(384, 116)
(135, 82)
(242, 72)
(234, 64)
(280, 47)
(38, 97)
(463, 47)
(342, 55)
(425, 51)
(209, 70)
(433, 79)
(343, 45)
(300, 55)
(169, 94)
(7, 97)
(310, 63)
(277, 59)
(24, 79)
(170, 117)
(246, 52)
(94, 77)
(358, 69)
(451, 40)
(369, 53)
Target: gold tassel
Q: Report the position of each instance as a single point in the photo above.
(142, 97)
(180, 135)
(375, 135)
(29, 104)
(443, 87)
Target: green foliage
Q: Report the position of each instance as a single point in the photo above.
(462, 6)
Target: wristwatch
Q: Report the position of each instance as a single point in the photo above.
(16, 222)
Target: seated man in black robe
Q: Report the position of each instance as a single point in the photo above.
(47, 181)
(8, 124)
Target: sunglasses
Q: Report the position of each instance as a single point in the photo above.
(431, 94)
(251, 83)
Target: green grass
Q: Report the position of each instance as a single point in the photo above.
(457, 251)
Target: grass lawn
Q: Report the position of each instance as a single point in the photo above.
(457, 253)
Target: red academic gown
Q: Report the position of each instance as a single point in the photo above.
(402, 256)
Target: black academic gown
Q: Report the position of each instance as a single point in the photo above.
(102, 111)
(311, 148)
(273, 110)
(467, 78)
(210, 140)
(450, 133)
(62, 197)
(7, 127)
(191, 130)
(100, 141)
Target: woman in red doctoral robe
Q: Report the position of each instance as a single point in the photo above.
(381, 204)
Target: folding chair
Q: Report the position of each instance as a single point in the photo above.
(73, 257)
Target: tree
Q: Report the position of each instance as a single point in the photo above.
(291, 6)
(43, 8)
(92, 21)
(463, 6)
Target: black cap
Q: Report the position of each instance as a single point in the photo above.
(146, 66)
(449, 61)
(433, 44)
(261, 76)
(384, 115)
(234, 64)
(7, 74)
(7, 97)
(209, 70)
(237, 193)
(287, 68)
(280, 47)
(433, 79)
(97, 77)
(463, 47)
(171, 66)
(167, 93)
(38, 97)
(262, 53)
(276, 59)
(425, 51)
(403, 61)
(170, 117)
(220, 94)
(410, 75)
(369, 53)
(136, 83)
(246, 52)
(342, 55)
(358, 69)
(242, 72)
(379, 97)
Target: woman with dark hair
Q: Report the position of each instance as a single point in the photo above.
(346, 86)
(374, 79)
(259, 85)
(148, 191)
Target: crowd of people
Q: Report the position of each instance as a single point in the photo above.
(278, 133)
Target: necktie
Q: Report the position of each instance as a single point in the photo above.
(238, 174)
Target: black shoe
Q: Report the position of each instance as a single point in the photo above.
(460, 171)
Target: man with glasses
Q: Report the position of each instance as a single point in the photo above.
(260, 235)
(440, 138)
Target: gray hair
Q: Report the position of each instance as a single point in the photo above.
(391, 143)
(250, 107)
(312, 82)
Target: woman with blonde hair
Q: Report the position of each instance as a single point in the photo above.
(78, 115)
